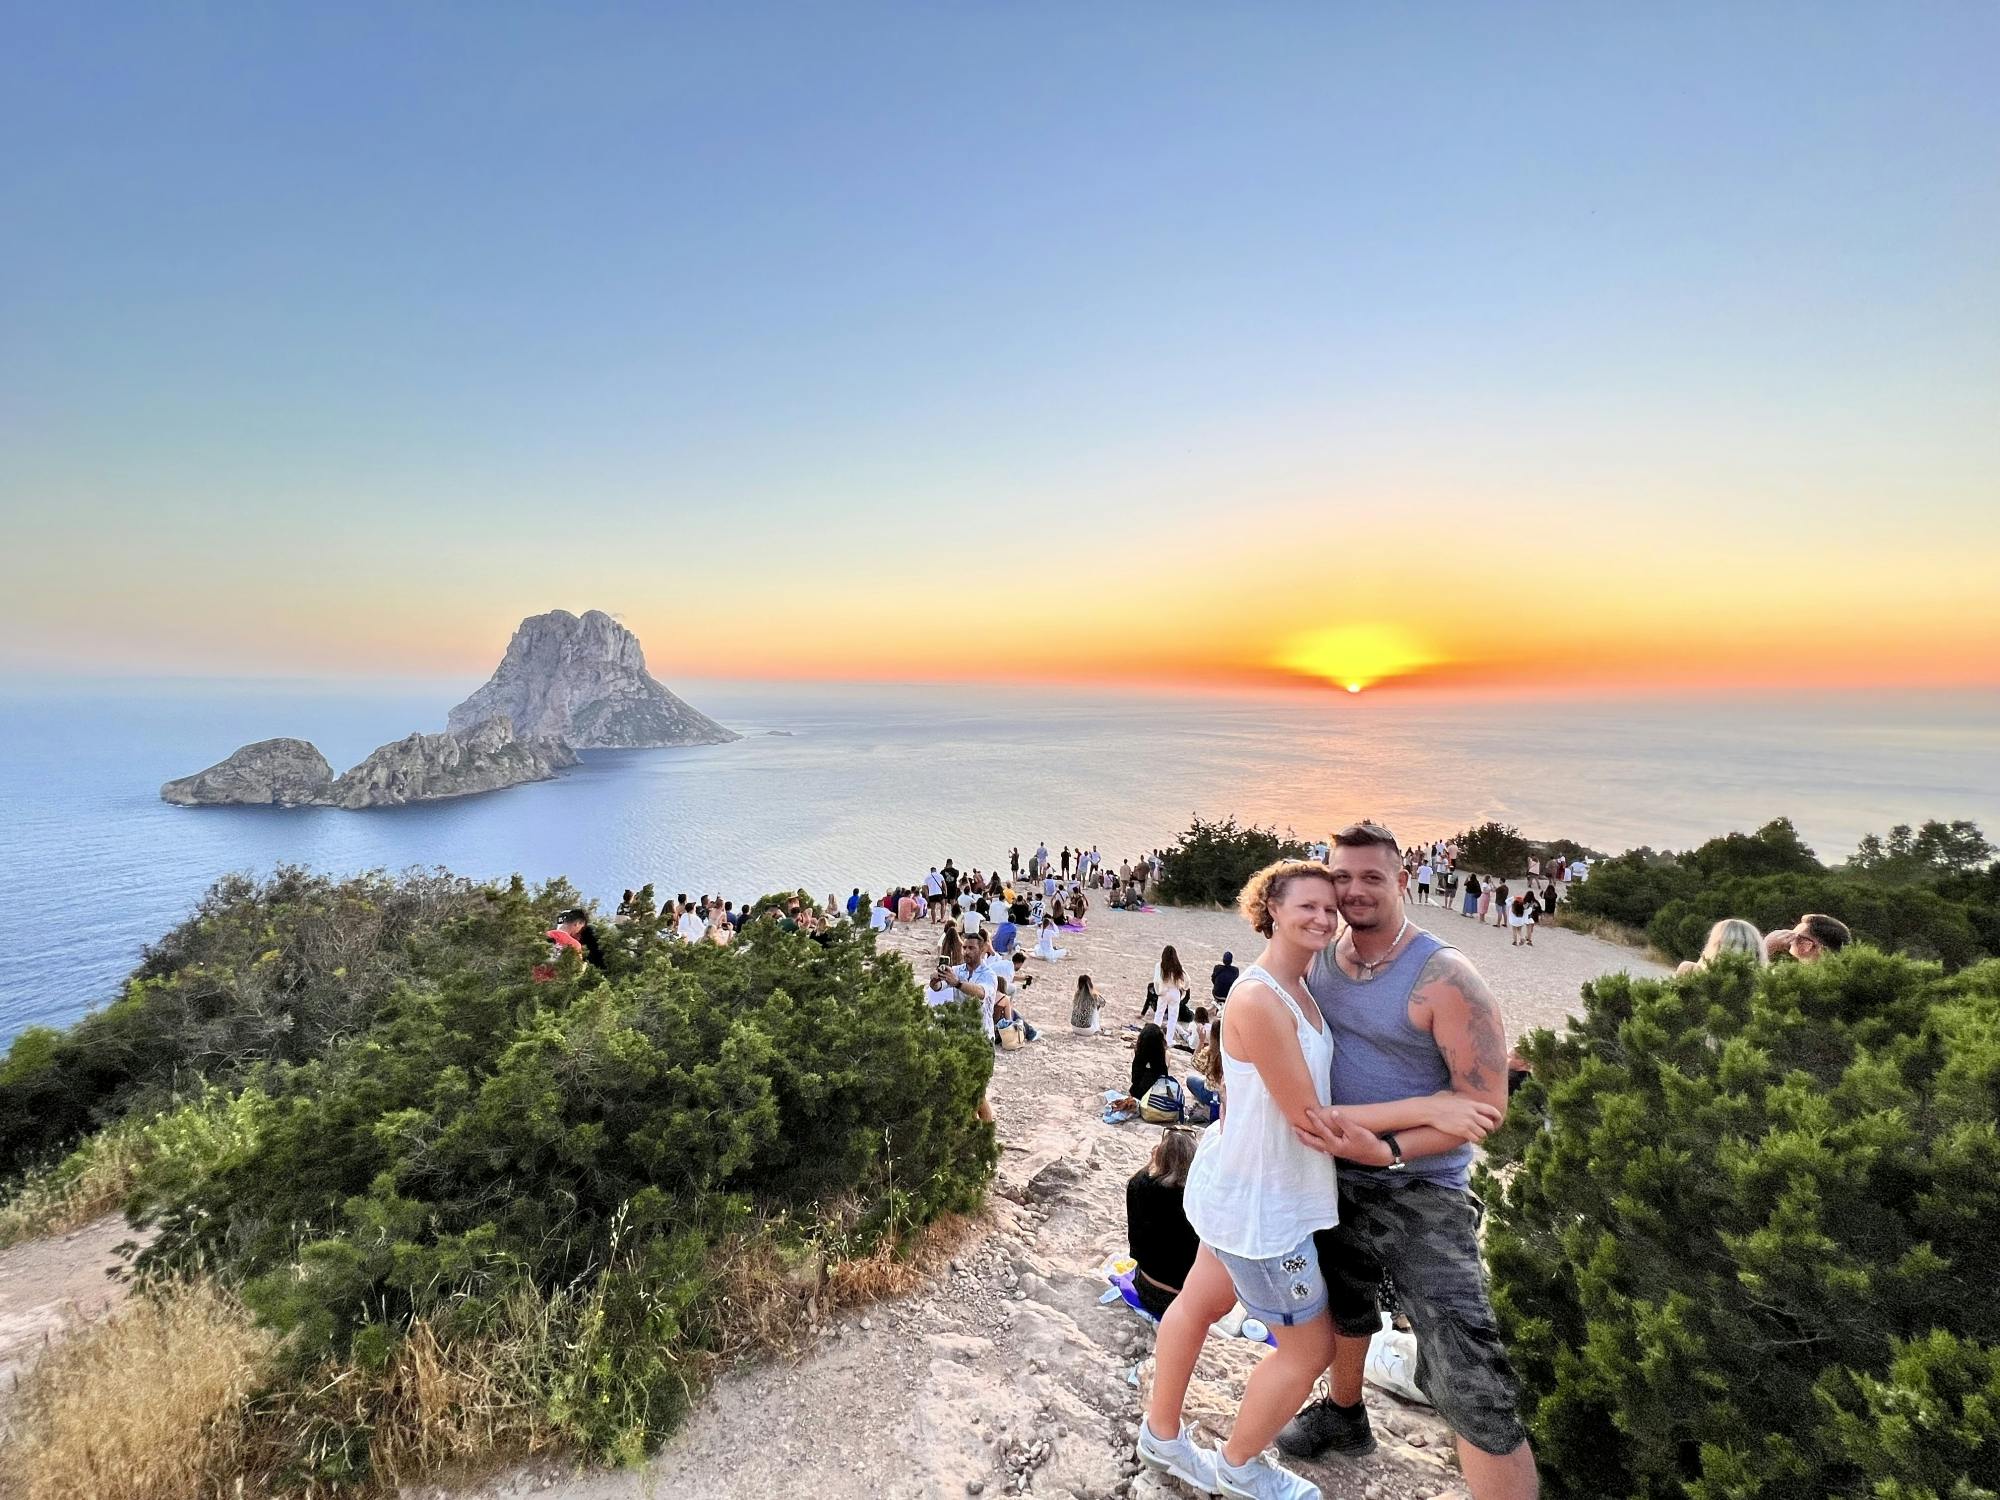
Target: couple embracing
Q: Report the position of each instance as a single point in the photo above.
(1356, 1035)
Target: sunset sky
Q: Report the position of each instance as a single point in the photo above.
(1486, 347)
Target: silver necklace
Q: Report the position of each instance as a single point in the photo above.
(1382, 962)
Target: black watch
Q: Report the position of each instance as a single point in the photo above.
(1396, 1163)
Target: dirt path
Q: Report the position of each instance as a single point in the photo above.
(1005, 1375)
(50, 1285)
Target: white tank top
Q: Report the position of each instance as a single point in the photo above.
(1253, 1190)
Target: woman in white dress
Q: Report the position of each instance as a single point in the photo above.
(1047, 948)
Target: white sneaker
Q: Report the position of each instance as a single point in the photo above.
(1192, 1466)
(1260, 1479)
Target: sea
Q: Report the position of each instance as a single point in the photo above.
(835, 786)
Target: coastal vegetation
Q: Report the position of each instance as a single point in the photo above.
(1745, 1245)
(1493, 848)
(432, 1208)
(1210, 863)
(1929, 892)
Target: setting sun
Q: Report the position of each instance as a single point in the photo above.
(1356, 656)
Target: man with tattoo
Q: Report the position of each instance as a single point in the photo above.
(1411, 1022)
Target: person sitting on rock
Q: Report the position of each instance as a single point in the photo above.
(1157, 1232)
(1084, 1006)
(1149, 1065)
(1046, 949)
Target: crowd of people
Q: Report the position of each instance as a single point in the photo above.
(1438, 877)
(1354, 1037)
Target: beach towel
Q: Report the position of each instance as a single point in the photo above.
(1072, 927)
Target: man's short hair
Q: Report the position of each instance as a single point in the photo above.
(1367, 836)
(1829, 932)
(578, 914)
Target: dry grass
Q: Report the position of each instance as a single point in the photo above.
(463, 1403)
(770, 1304)
(85, 1185)
(1607, 930)
(150, 1404)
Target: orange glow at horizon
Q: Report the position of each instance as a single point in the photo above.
(1355, 656)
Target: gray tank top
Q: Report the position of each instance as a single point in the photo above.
(1378, 1055)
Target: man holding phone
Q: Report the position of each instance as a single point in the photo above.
(975, 979)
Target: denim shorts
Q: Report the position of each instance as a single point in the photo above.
(1280, 1289)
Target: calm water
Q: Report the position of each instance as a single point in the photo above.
(874, 785)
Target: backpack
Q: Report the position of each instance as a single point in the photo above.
(1162, 1104)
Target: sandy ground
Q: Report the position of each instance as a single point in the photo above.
(53, 1284)
(1004, 1375)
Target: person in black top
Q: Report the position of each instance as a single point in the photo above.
(1156, 1227)
(1149, 1063)
(1222, 977)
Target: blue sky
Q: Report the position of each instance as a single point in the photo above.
(371, 322)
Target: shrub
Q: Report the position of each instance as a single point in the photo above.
(1631, 888)
(90, 1181)
(1494, 849)
(557, 1184)
(1914, 920)
(601, 1138)
(1745, 1251)
(1774, 849)
(261, 972)
(1212, 862)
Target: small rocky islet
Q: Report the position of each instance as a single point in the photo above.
(567, 683)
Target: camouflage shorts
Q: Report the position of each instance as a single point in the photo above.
(1424, 1236)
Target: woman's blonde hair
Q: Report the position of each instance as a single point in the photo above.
(1267, 887)
(1734, 935)
(1172, 1157)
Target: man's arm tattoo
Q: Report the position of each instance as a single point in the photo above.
(1481, 1062)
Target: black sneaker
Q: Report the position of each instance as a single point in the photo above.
(1325, 1428)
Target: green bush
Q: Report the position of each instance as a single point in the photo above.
(1913, 920)
(259, 973)
(474, 1143)
(1631, 888)
(1774, 849)
(1746, 1251)
(1494, 849)
(1211, 862)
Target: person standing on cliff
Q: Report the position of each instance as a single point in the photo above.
(1411, 1019)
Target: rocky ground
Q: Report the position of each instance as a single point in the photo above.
(1004, 1375)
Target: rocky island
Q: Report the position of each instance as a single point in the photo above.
(565, 683)
(269, 773)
